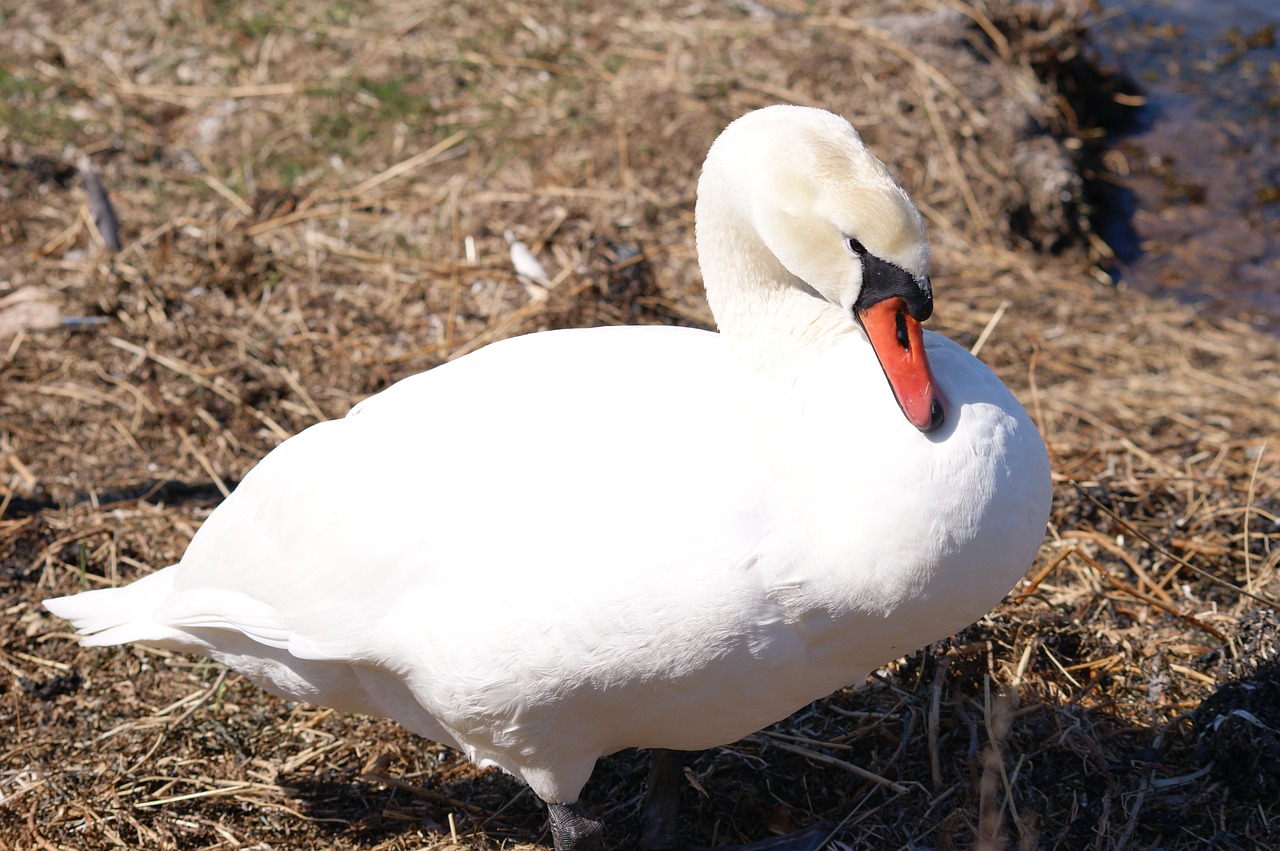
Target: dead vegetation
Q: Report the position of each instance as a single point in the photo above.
(313, 201)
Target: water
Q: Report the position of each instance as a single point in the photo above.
(1200, 172)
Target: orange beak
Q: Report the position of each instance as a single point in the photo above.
(898, 341)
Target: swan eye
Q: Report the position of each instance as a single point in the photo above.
(856, 247)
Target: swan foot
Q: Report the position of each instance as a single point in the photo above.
(661, 805)
(573, 830)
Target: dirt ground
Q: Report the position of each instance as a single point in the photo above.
(313, 201)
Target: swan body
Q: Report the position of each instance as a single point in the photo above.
(578, 541)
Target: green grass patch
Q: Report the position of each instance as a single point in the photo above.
(35, 113)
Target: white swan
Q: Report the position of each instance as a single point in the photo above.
(579, 541)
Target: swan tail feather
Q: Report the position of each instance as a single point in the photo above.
(109, 616)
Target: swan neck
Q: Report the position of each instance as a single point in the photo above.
(767, 316)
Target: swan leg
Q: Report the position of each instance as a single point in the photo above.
(573, 830)
(661, 806)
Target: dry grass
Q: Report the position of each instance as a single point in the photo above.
(313, 203)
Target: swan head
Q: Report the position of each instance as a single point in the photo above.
(810, 199)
